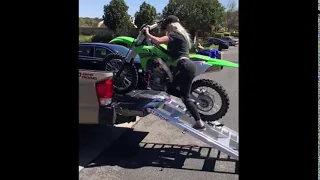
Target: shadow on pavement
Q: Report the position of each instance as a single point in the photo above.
(94, 139)
(130, 152)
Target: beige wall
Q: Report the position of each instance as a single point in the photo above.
(93, 31)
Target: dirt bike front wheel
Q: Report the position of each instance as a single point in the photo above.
(128, 79)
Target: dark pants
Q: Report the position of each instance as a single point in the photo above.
(186, 71)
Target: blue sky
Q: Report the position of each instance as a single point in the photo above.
(94, 8)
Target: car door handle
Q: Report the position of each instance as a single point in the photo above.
(93, 62)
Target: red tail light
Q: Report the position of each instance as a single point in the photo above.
(104, 91)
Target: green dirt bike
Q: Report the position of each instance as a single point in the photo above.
(155, 61)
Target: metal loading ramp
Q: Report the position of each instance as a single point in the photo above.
(215, 135)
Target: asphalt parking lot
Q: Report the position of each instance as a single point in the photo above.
(154, 149)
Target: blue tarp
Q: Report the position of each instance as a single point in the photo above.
(213, 53)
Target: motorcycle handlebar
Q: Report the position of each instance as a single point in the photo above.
(151, 27)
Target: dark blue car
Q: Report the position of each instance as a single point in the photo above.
(221, 43)
(91, 55)
(230, 40)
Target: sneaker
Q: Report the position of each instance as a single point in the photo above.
(198, 127)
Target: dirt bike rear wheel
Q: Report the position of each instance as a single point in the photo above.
(128, 79)
(225, 102)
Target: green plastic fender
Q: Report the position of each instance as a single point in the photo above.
(123, 39)
(213, 61)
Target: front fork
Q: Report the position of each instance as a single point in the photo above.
(128, 62)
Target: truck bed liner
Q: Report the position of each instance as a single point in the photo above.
(135, 103)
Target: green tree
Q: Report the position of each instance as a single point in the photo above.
(196, 14)
(146, 15)
(232, 18)
(116, 16)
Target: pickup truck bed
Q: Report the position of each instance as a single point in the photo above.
(136, 102)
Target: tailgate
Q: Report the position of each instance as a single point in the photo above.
(88, 101)
(93, 76)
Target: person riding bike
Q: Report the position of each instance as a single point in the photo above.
(178, 45)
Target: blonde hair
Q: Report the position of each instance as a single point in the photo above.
(177, 27)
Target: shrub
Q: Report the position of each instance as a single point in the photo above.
(192, 50)
(102, 38)
(218, 35)
(236, 34)
(87, 33)
(207, 34)
(226, 33)
(84, 39)
(201, 41)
